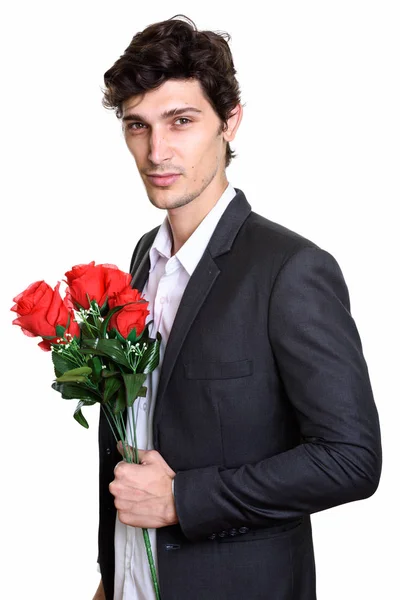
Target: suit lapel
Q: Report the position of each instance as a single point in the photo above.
(197, 290)
(141, 263)
(195, 294)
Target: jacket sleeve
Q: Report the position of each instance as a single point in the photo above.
(320, 361)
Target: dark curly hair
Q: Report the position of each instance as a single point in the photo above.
(175, 49)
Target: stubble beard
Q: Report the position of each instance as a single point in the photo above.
(189, 196)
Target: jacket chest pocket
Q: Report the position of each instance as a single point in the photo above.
(225, 397)
(218, 370)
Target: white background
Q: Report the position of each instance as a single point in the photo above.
(318, 151)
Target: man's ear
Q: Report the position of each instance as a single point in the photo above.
(233, 123)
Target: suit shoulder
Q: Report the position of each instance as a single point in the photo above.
(273, 237)
(278, 250)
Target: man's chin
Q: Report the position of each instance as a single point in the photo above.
(159, 199)
(166, 199)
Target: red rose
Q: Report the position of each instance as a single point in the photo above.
(96, 281)
(132, 315)
(40, 309)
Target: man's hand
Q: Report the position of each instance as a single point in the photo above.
(143, 493)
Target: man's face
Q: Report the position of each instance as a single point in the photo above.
(175, 138)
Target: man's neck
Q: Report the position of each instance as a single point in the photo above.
(184, 221)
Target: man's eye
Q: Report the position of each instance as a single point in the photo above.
(183, 119)
(135, 126)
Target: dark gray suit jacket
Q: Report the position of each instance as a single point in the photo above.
(264, 410)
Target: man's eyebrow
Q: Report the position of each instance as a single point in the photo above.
(173, 112)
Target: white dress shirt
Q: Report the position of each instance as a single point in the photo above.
(168, 277)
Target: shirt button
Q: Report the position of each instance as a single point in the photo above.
(144, 406)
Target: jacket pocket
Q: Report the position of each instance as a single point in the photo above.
(218, 370)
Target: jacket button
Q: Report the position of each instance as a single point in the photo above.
(233, 531)
(212, 536)
(172, 547)
(243, 529)
(222, 534)
(108, 450)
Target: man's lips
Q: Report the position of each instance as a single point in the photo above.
(163, 180)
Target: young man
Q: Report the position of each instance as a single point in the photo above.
(261, 410)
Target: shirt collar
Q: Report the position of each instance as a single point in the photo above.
(192, 250)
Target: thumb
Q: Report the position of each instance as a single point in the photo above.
(149, 457)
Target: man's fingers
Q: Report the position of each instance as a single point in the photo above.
(147, 457)
(121, 462)
(142, 456)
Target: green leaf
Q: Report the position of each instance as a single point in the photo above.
(103, 308)
(91, 352)
(118, 403)
(151, 357)
(60, 330)
(111, 387)
(78, 416)
(71, 379)
(97, 368)
(61, 364)
(142, 392)
(132, 336)
(78, 374)
(84, 370)
(133, 384)
(73, 391)
(116, 334)
(144, 336)
(94, 305)
(86, 332)
(104, 325)
(107, 373)
(106, 347)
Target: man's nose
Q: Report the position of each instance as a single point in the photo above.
(160, 149)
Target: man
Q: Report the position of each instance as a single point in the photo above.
(261, 410)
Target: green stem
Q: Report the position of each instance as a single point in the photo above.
(145, 531)
(151, 562)
(136, 455)
(120, 427)
(123, 428)
(109, 422)
(124, 440)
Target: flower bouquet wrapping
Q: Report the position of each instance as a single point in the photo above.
(100, 346)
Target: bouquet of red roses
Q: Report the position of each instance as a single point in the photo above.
(99, 343)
